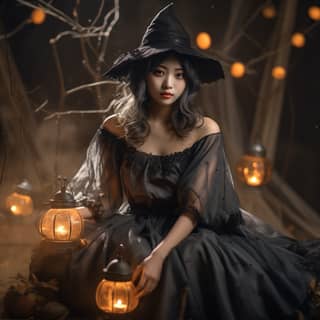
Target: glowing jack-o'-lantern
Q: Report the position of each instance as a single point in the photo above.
(63, 222)
(253, 168)
(116, 292)
(19, 203)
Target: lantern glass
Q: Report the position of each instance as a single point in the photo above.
(61, 224)
(19, 204)
(116, 297)
(254, 171)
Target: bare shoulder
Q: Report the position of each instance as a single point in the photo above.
(208, 126)
(113, 125)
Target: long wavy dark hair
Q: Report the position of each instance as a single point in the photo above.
(132, 102)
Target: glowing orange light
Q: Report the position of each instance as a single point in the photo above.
(279, 72)
(298, 40)
(254, 171)
(116, 297)
(203, 40)
(237, 69)
(19, 204)
(314, 13)
(38, 16)
(269, 12)
(63, 224)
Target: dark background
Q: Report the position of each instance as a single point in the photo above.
(298, 156)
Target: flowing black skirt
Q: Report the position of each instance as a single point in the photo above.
(236, 274)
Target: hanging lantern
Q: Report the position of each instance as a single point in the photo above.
(269, 12)
(116, 292)
(298, 40)
(38, 16)
(237, 69)
(203, 40)
(253, 168)
(63, 222)
(314, 13)
(279, 72)
(20, 203)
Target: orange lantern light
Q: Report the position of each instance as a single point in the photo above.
(38, 16)
(314, 13)
(63, 222)
(269, 12)
(19, 203)
(253, 168)
(116, 292)
(279, 72)
(298, 40)
(237, 69)
(203, 40)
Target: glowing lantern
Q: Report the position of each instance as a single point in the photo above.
(20, 203)
(63, 222)
(38, 16)
(314, 13)
(298, 40)
(203, 40)
(237, 69)
(116, 292)
(253, 168)
(269, 12)
(279, 72)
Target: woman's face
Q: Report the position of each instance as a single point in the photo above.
(166, 82)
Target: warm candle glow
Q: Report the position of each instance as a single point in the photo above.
(63, 224)
(253, 177)
(314, 13)
(254, 171)
(203, 40)
(19, 204)
(279, 72)
(237, 69)
(269, 12)
(61, 230)
(298, 40)
(120, 305)
(38, 16)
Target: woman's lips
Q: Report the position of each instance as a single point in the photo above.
(166, 95)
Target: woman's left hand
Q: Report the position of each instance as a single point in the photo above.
(148, 274)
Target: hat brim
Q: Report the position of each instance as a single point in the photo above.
(208, 69)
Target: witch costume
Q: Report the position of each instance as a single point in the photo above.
(230, 267)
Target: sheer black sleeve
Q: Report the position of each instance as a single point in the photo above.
(206, 189)
(99, 175)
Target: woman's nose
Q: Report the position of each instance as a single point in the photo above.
(168, 82)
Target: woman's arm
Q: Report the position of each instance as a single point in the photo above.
(149, 270)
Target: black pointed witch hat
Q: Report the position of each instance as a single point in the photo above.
(166, 33)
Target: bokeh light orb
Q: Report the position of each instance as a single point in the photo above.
(237, 69)
(314, 13)
(38, 16)
(298, 40)
(279, 72)
(203, 40)
(269, 12)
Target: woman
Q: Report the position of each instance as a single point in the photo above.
(162, 166)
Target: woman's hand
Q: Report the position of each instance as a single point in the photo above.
(147, 274)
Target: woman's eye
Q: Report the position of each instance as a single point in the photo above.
(180, 75)
(158, 72)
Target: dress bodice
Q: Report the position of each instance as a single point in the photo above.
(151, 180)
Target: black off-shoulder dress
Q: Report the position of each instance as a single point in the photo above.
(225, 269)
